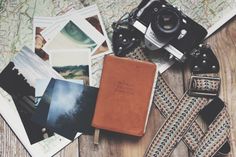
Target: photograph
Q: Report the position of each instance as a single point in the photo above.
(72, 37)
(94, 21)
(93, 16)
(75, 33)
(41, 86)
(71, 64)
(40, 24)
(23, 96)
(18, 80)
(67, 108)
(39, 43)
(17, 114)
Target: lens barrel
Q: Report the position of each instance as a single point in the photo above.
(166, 22)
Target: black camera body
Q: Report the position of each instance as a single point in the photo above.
(159, 25)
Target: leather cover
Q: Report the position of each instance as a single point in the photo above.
(125, 95)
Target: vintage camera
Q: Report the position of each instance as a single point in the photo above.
(157, 24)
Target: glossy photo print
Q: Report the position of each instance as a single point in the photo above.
(18, 80)
(67, 108)
(71, 64)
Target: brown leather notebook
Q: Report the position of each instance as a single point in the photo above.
(125, 95)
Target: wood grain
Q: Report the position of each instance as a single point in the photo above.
(9, 144)
(224, 46)
(115, 145)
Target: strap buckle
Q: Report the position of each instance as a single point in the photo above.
(204, 86)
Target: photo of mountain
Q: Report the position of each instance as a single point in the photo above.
(71, 64)
(80, 72)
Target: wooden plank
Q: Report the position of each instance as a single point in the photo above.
(9, 144)
(72, 150)
(224, 46)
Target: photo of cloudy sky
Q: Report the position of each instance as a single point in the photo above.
(70, 108)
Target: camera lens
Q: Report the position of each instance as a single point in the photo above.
(166, 22)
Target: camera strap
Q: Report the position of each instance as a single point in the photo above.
(180, 124)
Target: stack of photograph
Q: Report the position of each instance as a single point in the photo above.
(49, 93)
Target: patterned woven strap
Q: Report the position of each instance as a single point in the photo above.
(217, 134)
(181, 124)
(205, 85)
(175, 126)
(165, 100)
(137, 54)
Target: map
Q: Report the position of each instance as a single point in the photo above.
(16, 17)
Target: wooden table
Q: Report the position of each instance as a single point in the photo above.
(113, 145)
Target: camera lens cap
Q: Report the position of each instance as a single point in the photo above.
(125, 40)
(166, 22)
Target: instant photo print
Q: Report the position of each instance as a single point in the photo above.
(54, 26)
(90, 14)
(75, 33)
(72, 47)
(39, 25)
(93, 16)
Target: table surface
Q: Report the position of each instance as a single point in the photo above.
(223, 43)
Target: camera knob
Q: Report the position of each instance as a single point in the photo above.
(125, 40)
(204, 61)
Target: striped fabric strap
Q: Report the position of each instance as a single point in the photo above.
(166, 101)
(180, 123)
(216, 136)
(175, 126)
(181, 114)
